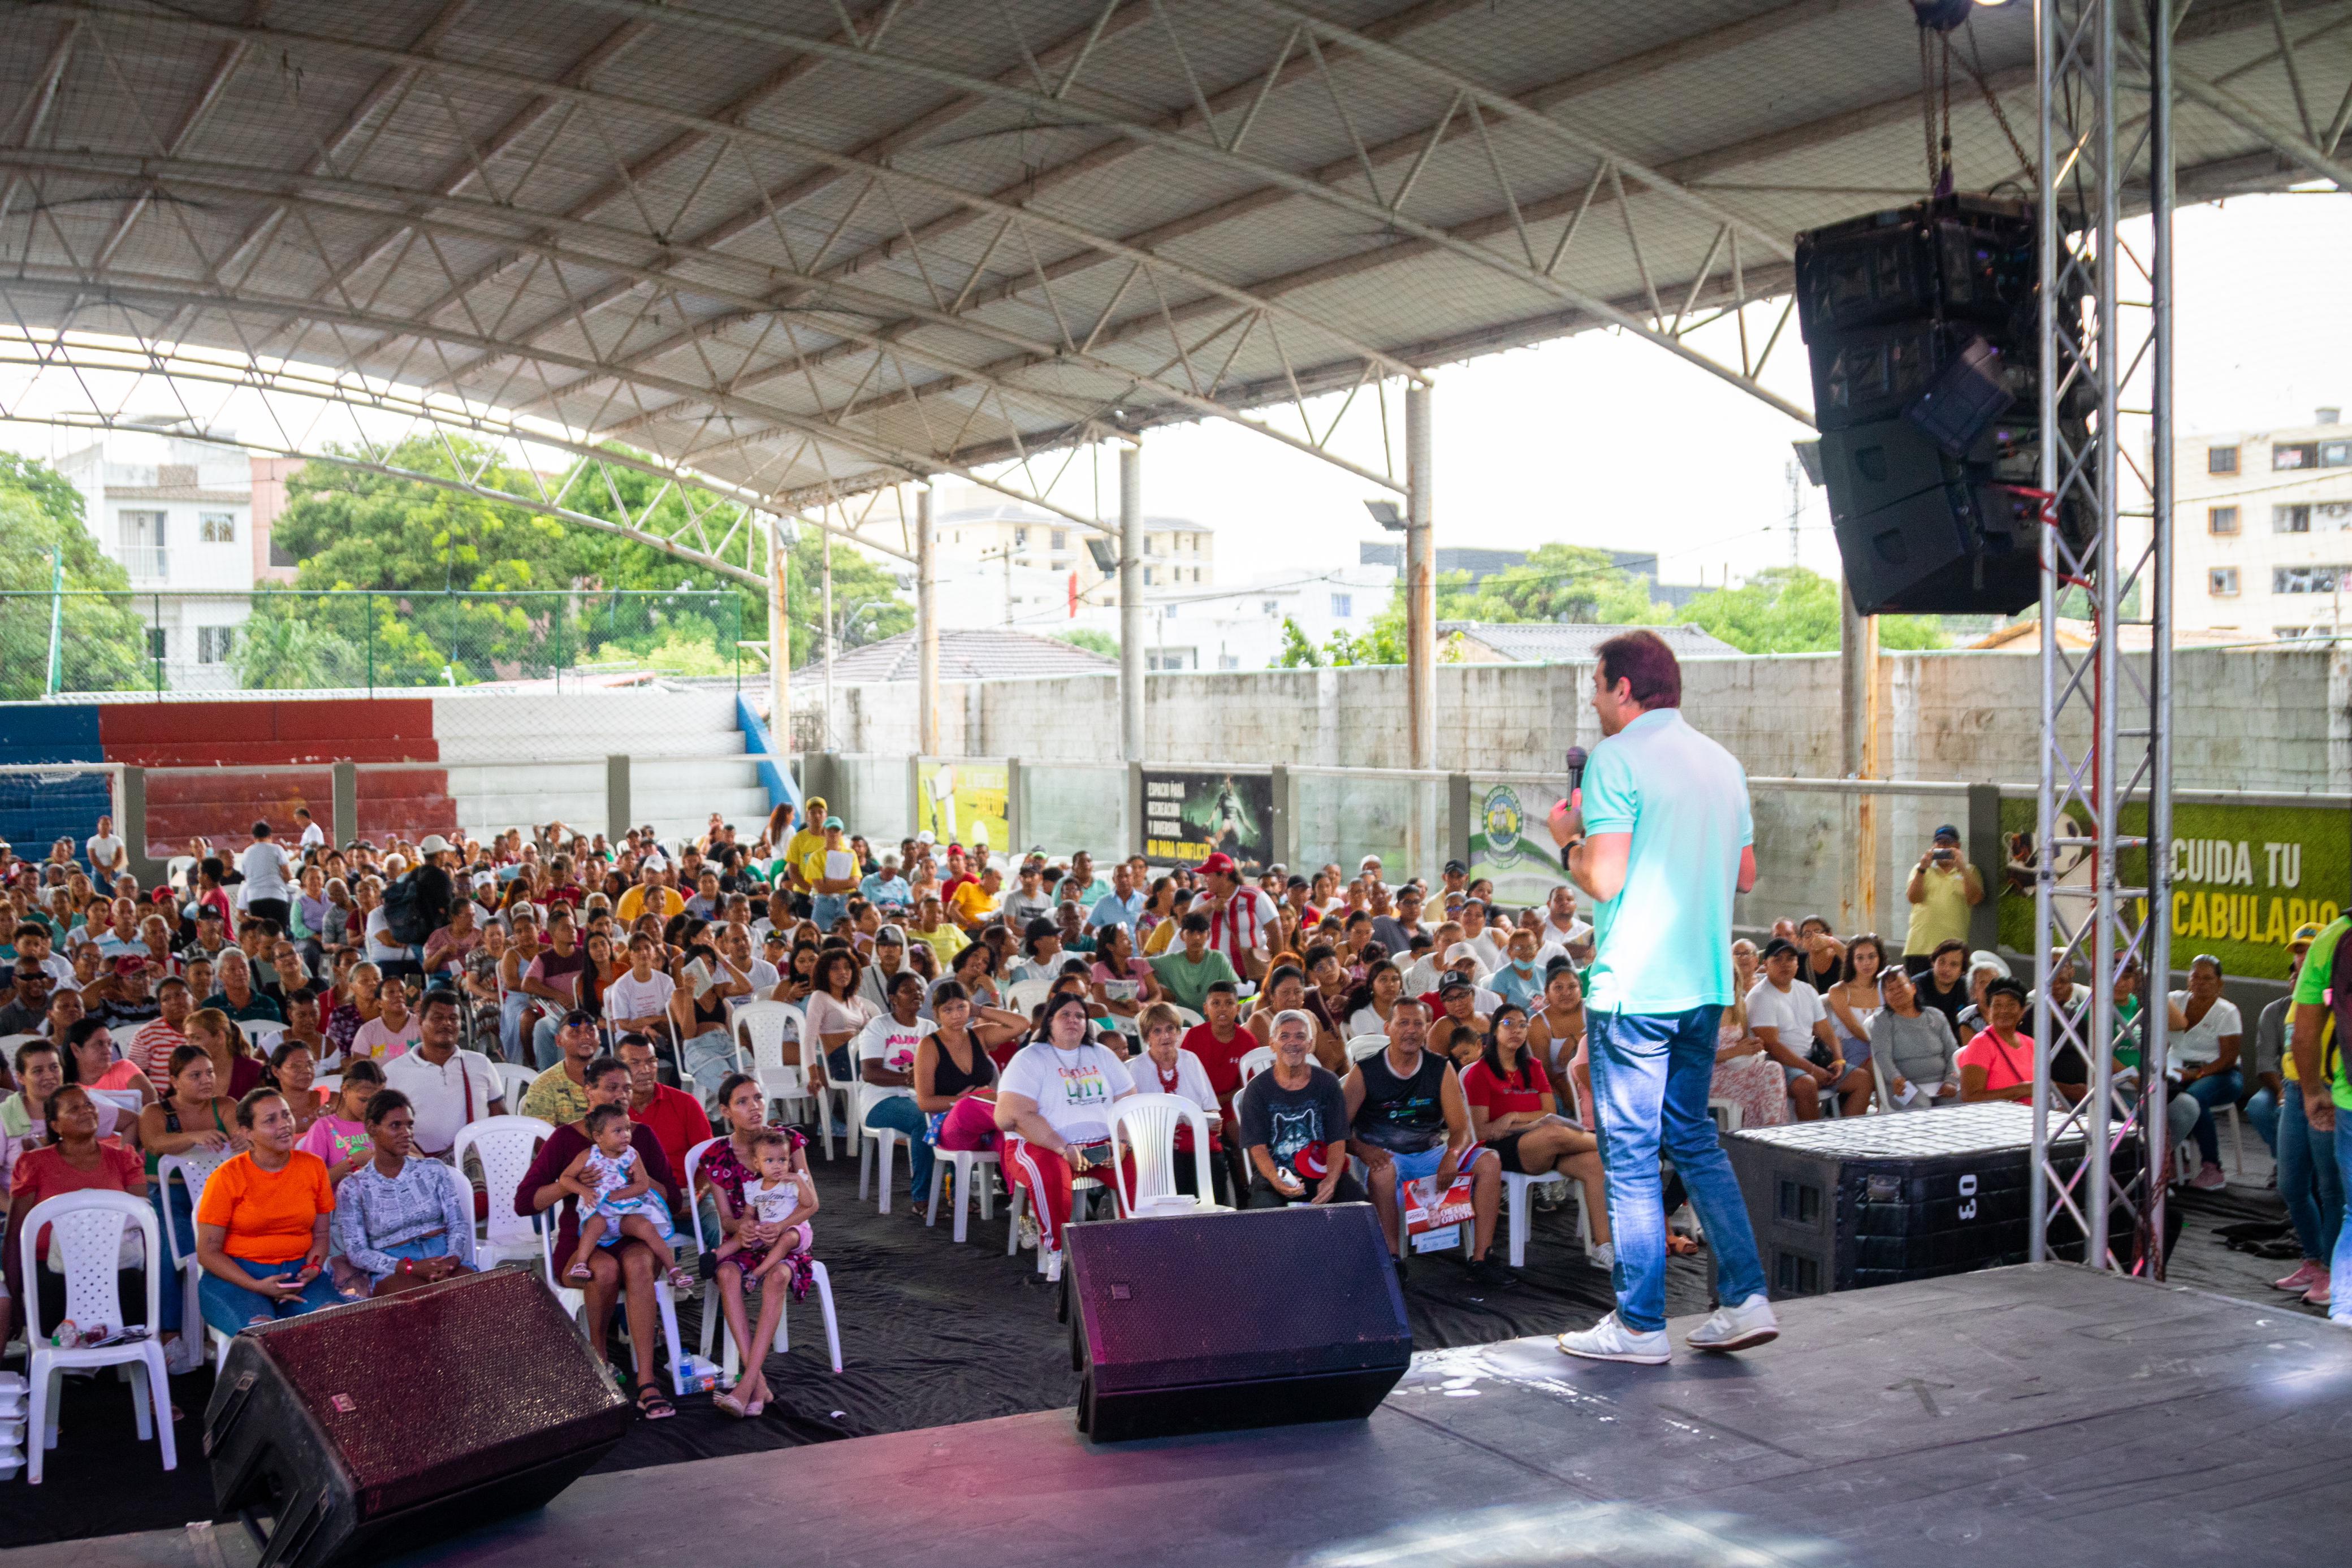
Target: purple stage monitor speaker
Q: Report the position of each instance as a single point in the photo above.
(369, 1429)
(1221, 1321)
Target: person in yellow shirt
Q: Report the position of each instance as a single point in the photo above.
(975, 903)
(654, 895)
(942, 936)
(1942, 890)
(808, 841)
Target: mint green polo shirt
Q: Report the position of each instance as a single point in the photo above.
(1664, 944)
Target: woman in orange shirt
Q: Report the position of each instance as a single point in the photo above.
(261, 1225)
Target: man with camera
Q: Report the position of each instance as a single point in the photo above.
(1942, 890)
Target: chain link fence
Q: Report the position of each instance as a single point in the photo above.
(364, 641)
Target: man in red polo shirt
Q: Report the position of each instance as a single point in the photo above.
(675, 1117)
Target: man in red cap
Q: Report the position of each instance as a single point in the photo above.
(1242, 919)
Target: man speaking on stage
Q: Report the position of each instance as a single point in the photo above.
(1659, 836)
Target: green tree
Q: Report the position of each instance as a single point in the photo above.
(103, 638)
(1297, 651)
(1092, 641)
(1793, 610)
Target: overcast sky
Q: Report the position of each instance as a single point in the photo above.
(1607, 440)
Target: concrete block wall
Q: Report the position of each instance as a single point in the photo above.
(2266, 719)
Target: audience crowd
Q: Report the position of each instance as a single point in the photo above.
(310, 1027)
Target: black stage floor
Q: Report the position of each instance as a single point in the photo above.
(2032, 1415)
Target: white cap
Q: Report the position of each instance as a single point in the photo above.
(1368, 860)
(1461, 950)
(926, 837)
(434, 844)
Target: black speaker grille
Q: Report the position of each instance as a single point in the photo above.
(1219, 1298)
(424, 1392)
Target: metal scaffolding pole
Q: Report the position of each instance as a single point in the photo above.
(1130, 603)
(1420, 582)
(926, 628)
(2104, 766)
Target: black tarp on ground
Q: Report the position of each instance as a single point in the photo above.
(932, 1334)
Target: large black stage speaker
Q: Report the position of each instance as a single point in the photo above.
(368, 1429)
(1214, 1321)
(1876, 1200)
(1923, 329)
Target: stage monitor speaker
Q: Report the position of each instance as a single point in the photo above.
(372, 1429)
(1221, 1321)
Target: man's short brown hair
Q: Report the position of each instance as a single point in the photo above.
(1646, 665)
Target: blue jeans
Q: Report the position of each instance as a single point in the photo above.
(2263, 1111)
(900, 1114)
(2307, 1178)
(2340, 1266)
(544, 1050)
(826, 908)
(2214, 1089)
(230, 1307)
(510, 1014)
(182, 1222)
(1650, 1077)
(707, 1058)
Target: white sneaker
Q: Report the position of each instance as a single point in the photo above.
(1053, 1265)
(2208, 1179)
(1743, 1327)
(1609, 1340)
(1602, 1255)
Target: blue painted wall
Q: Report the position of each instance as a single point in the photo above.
(34, 809)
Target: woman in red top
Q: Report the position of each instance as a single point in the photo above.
(1998, 1064)
(1513, 1110)
(73, 1160)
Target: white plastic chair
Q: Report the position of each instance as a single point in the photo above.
(711, 1312)
(575, 1302)
(766, 1026)
(1021, 996)
(864, 1097)
(1726, 1114)
(1146, 1125)
(514, 1082)
(1255, 1061)
(1363, 1045)
(194, 1169)
(327, 1085)
(503, 1146)
(86, 1230)
(263, 1037)
(969, 1178)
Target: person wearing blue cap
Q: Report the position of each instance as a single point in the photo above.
(1942, 890)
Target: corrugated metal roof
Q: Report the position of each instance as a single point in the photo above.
(808, 247)
(1554, 641)
(977, 653)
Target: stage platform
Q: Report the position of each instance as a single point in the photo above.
(2029, 1415)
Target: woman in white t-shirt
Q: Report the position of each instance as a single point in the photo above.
(2207, 1033)
(884, 1053)
(836, 1015)
(1054, 1104)
(640, 999)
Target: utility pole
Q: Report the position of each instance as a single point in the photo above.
(1005, 554)
(826, 545)
(57, 672)
(1796, 506)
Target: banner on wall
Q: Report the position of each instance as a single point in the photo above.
(963, 802)
(2243, 878)
(1509, 844)
(1188, 817)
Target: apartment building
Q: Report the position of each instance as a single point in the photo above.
(2262, 531)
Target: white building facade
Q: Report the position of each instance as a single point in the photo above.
(179, 516)
(2262, 531)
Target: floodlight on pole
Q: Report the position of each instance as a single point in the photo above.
(1388, 514)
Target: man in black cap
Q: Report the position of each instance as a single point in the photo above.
(1942, 890)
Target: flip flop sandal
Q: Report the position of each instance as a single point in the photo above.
(654, 1405)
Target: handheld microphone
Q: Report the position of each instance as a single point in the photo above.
(1576, 756)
